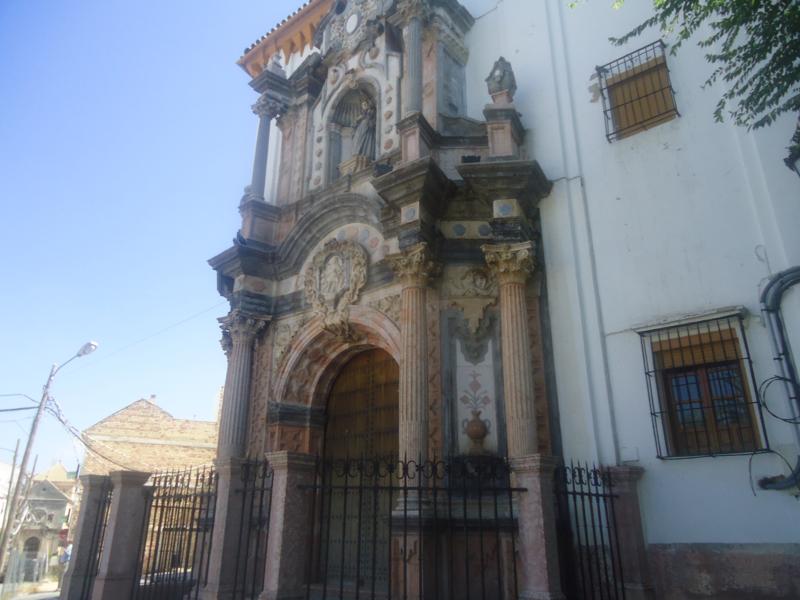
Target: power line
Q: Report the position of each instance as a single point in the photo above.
(19, 396)
(19, 408)
(157, 333)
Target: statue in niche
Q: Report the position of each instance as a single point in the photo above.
(364, 135)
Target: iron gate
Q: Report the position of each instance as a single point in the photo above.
(403, 529)
(255, 509)
(176, 534)
(589, 554)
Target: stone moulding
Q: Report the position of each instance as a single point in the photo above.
(333, 282)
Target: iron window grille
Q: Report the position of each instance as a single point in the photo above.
(700, 381)
(637, 93)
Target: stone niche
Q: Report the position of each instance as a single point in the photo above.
(354, 117)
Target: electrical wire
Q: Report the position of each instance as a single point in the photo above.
(762, 392)
(19, 395)
(55, 410)
(4, 410)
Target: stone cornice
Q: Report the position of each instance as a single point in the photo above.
(418, 181)
(510, 263)
(521, 180)
(295, 414)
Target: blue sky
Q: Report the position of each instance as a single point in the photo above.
(126, 139)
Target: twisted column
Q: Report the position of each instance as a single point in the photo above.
(414, 268)
(240, 330)
(512, 264)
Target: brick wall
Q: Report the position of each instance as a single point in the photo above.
(143, 436)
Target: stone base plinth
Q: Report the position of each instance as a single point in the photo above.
(537, 569)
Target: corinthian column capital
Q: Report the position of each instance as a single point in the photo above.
(414, 267)
(240, 327)
(267, 106)
(510, 263)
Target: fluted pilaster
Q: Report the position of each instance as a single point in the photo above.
(414, 268)
(414, 12)
(241, 330)
(512, 264)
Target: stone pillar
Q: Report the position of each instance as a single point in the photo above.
(123, 537)
(265, 109)
(87, 530)
(414, 268)
(412, 86)
(239, 332)
(290, 526)
(537, 544)
(512, 264)
(632, 547)
(226, 534)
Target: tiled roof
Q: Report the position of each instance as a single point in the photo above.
(279, 25)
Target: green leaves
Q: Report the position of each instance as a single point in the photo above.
(754, 46)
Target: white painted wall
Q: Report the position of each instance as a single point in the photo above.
(663, 223)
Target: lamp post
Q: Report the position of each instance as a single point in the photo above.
(87, 348)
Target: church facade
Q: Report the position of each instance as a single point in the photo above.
(463, 238)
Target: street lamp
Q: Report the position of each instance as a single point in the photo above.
(87, 348)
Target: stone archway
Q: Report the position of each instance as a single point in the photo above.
(308, 369)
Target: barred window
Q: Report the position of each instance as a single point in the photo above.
(637, 93)
(700, 384)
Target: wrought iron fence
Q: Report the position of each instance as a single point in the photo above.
(255, 509)
(176, 534)
(589, 553)
(97, 539)
(407, 529)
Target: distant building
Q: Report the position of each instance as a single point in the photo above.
(41, 530)
(145, 437)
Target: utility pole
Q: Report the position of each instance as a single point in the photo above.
(23, 465)
(7, 507)
(84, 350)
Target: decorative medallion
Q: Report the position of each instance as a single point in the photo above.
(333, 282)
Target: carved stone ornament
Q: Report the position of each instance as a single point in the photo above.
(414, 266)
(267, 107)
(510, 263)
(239, 327)
(333, 282)
(472, 290)
(501, 81)
(388, 305)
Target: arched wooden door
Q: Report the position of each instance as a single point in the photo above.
(362, 425)
(363, 408)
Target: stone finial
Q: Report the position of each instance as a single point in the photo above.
(511, 263)
(414, 266)
(501, 82)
